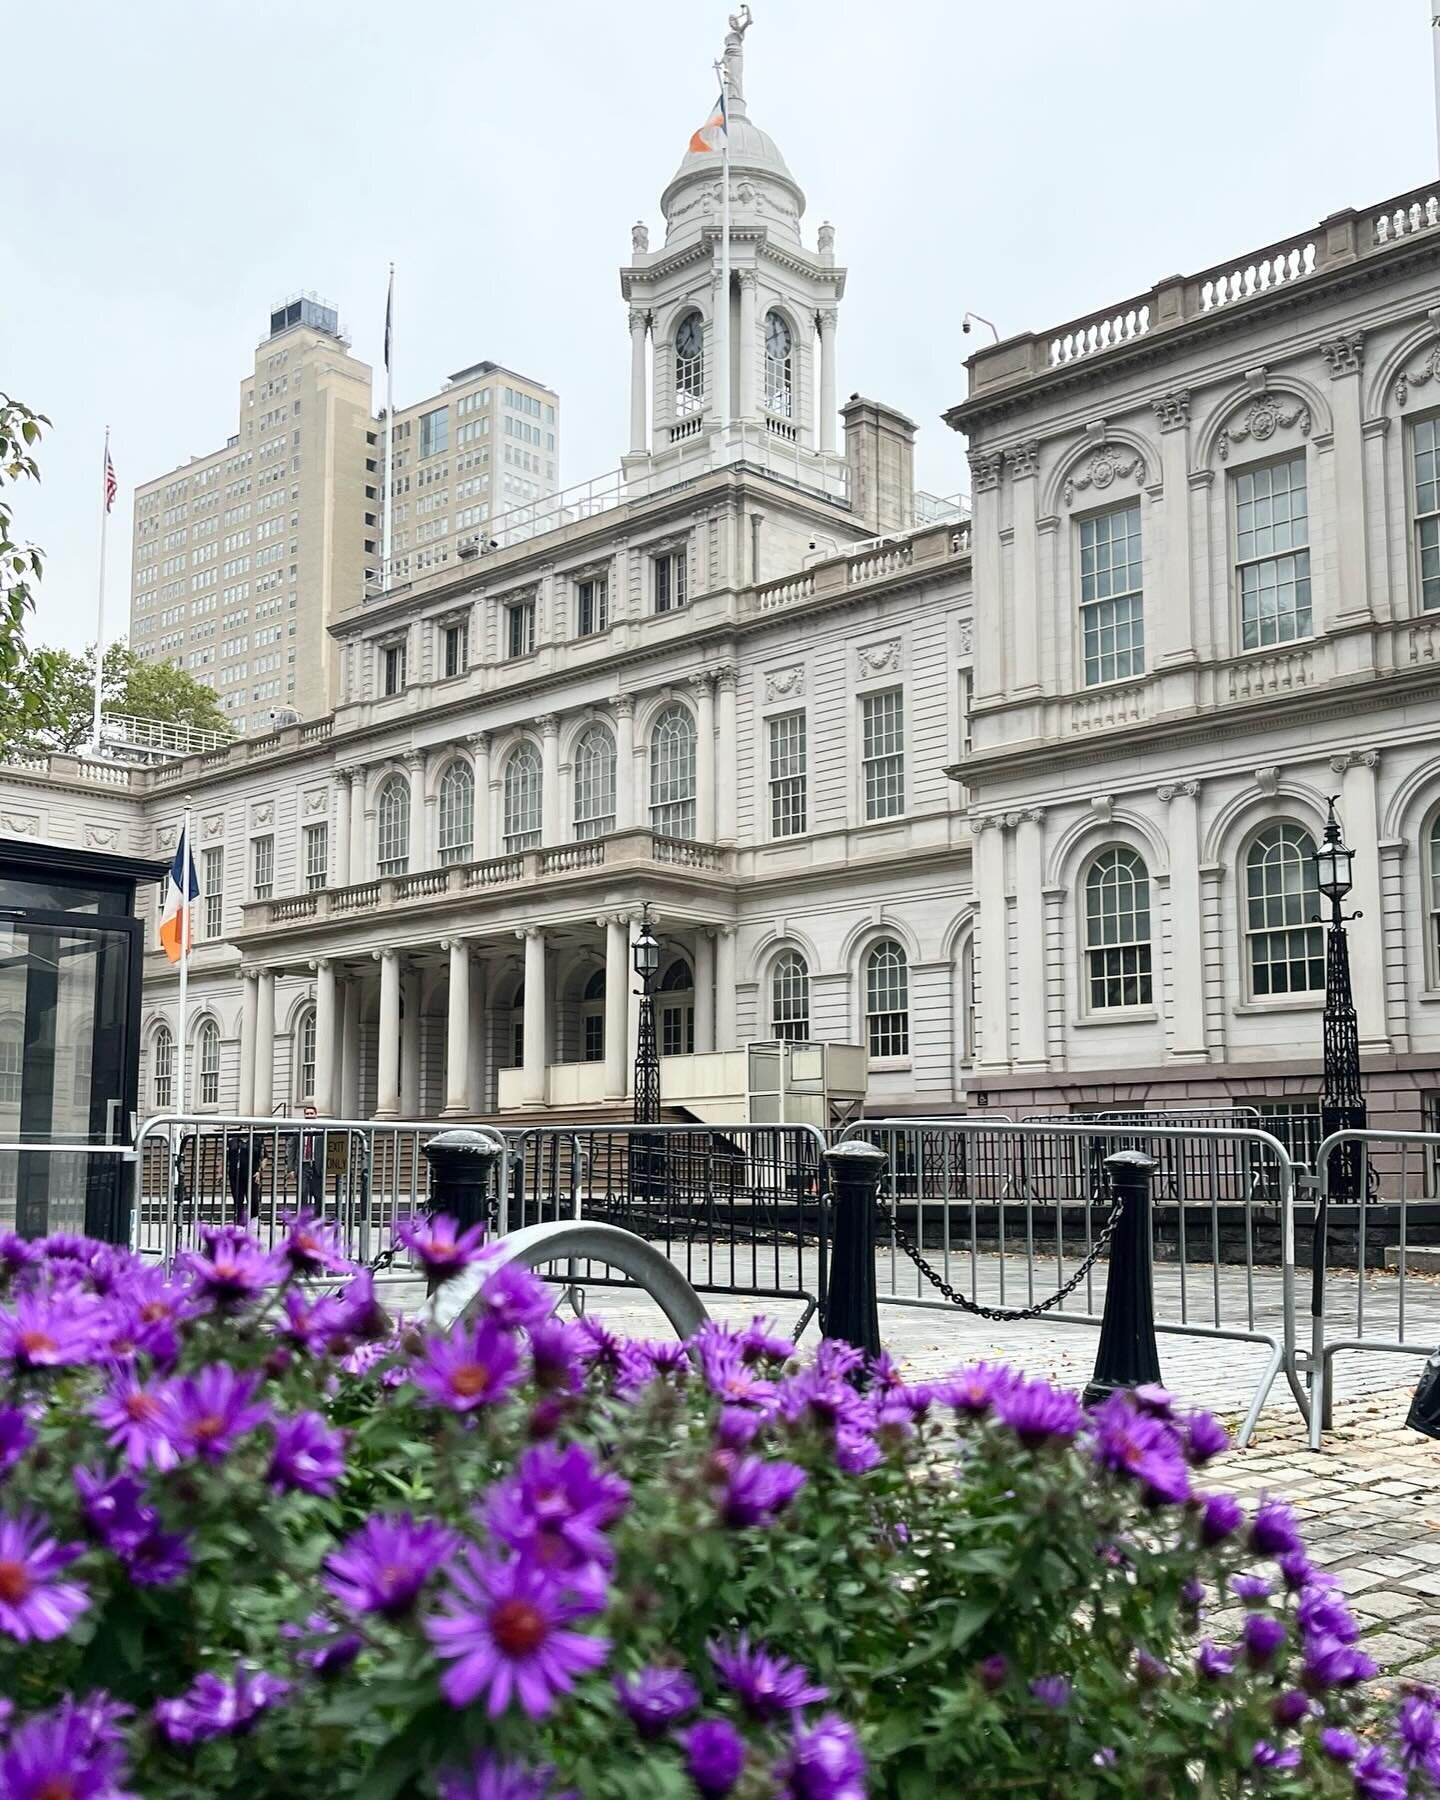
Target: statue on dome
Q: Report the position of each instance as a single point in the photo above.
(734, 76)
(639, 238)
(740, 22)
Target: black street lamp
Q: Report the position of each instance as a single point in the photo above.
(647, 1056)
(1342, 1104)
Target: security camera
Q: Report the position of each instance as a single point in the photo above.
(965, 324)
(813, 544)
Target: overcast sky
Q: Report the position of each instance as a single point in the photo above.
(174, 167)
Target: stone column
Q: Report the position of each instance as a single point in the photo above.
(726, 754)
(725, 988)
(324, 1095)
(704, 693)
(704, 966)
(1030, 937)
(479, 1037)
(359, 861)
(1173, 637)
(387, 1086)
(639, 439)
(1360, 816)
(624, 763)
(1023, 462)
(264, 1099)
(992, 960)
(412, 987)
(249, 1004)
(1187, 935)
(415, 765)
(457, 1029)
(533, 1087)
(350, 1048)
(484, 822)
(617, 1005)
(1344, 356)
(748, 348)
(342, 828)
(550, 815)
(828, 317)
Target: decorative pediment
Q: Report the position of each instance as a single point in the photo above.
(1109, 464)
(1266, 414)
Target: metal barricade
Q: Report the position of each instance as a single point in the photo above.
(1011, 1221)
(741, 1209)
(360, 1175)
(1398, 1175)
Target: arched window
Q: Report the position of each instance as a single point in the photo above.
(1433, 866)
(594, 783)
(677, 1009)
(689, 365)
(392, 827)
(592, 1019)
(523, 791)
(162, 1070)
(779, 365)
(967, 1001)
(517, 1027)
(1117, 930)
(887, 1000)
(209, 1059)
(305, 1057)
(1285, 950)
(672, 774)
(457, 814)
(790, 997)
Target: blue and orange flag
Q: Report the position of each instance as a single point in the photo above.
(182, 890)
(716, 127)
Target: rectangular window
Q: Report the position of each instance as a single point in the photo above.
(262, 864)
(1272, 532)
(670, 581)
(214, 873)
(677, 1030)
(393, 668)
(317, 856)
(883, 753)
(592, 606)
(520, 628)
(787, 775)
(1111, 602)
(594, 1037)
(457, 649)
(12, 1059)
(967, 703)
(1426, 445)
(435, 431)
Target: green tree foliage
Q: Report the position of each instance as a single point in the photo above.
(48, 704)
(20, 563)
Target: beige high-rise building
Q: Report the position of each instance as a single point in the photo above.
(242, 556)
(487, 444)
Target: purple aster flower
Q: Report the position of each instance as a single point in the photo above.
(855, 1452)
(1340, 1746)
(1150, 1672)
(973, 1390)
(732, 1380)
(72, 1753)
(112, 1509)
(738, 1427)
(136, 1416)
(439, 1244)
(825, 1399)
(311, 1247)
(1323, 1613)
(1052, 1691)
(656, 1699)
(756, 1490)
(601, 1348)
(157, 1558)
(1252, 1589)
(1331, 1663)
(825, 1762)
(335, 1655)
(1143, 1446)
(557, 1507)
(1192, 1594)
(34, 1605)
(1214, 1662)
(1262, 1634)
(52, 1331)
(1298, 1572)
(1267, 1757)
(1417, 1734)
(212, 1409)
(1038, 1413)
(1377, 1778)
(994, 1672)
(18, 1253)
(16, 1437)
(514, 1296)
(760, 1342)
(309, 1458)
(489, 1779)
(214, 1707)
(504, 1629)
(1289, 1708)
(714, 1757)
(1205, 1437)
(313, 1322)
(468, 1367)
(231, 1269)
(382, 1567)
(364, 1317)
(1221, 1516)
(1150, 1397)
(557, 1356)
(1273, 1531)
(767, 1686)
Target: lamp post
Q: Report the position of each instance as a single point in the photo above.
(647, 1056)
(1342, 1104)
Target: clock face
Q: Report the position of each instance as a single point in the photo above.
(777, 337)
(687, 339)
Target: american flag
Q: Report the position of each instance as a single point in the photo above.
(112, 487)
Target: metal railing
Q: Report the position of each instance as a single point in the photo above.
(1010, 1214)
(740, 1209)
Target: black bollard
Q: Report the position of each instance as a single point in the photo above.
(1128, 1354)
(461, 1163)
(851, 1311)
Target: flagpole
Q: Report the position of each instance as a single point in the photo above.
(100, 608)
(186, 907)
(724, 320)
(388, 497)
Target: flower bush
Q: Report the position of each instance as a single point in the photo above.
(257, 1540)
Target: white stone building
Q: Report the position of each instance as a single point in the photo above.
(1207, 574)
